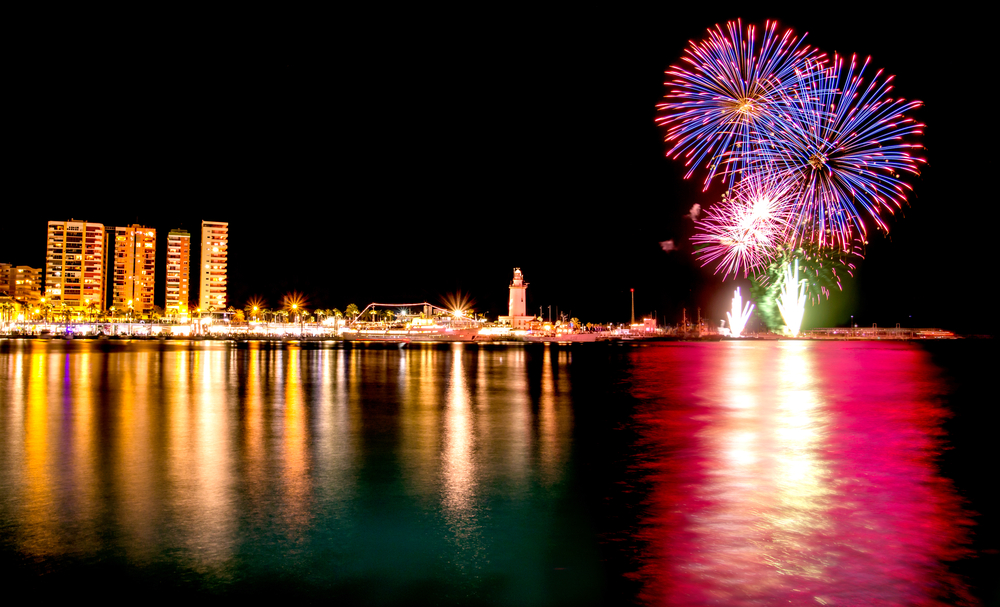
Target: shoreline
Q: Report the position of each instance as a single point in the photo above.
(615, 339)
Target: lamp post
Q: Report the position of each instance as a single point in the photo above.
(633, 305)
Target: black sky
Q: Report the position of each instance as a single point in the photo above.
(382, 157)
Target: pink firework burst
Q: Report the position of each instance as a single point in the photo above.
(742, 233)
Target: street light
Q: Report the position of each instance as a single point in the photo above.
(633, 306)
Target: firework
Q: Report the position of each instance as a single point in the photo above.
(725, 103)
(843, 149)
(745, 230)
(824, 267)
(740, 315)
(792, 300)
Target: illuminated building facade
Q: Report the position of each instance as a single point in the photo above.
(22, 283)
(134, 268)
(516, 305)
(26, 284)
(74, 264)
(178, 271)
(214, 257)
(5, 278)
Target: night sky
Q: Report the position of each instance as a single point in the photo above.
(365, 158)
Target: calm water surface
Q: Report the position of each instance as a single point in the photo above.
(684, 474)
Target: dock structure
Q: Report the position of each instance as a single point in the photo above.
(876, 332)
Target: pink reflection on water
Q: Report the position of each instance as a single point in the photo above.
(795, 473)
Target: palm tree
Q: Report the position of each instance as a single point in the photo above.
(7, 311)
(92, 309)
(351, 311)
(46, 308)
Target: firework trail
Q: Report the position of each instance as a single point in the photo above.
(792, 298)
(842, 152)
(740, 314)
(722, 107)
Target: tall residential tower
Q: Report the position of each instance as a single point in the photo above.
(214, 257)
(74, 264)
(134, 266)
(26, 284)
(178, 271)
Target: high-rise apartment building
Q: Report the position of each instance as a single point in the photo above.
(22, 283)
(214, 257)
(178, 271)
(26, 284)
(74, 264)
(133, 267)
(6, 285)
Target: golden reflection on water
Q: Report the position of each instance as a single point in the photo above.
(199, 443)
(458, 466)
(295, 466)
(193, 449)
(254, 460)
(134, 456)
(554, 414)
(39, 438)
(420, 400)
(335, 445)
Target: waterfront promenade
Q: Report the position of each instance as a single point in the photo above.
(322, 331)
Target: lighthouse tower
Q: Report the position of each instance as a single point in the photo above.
(516, 306)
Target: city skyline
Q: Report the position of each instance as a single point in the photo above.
(545, 156)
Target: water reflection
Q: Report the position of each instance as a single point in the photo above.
(795, 473)
(225, 464)
(782, 472)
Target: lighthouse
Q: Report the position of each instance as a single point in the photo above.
(516, 305)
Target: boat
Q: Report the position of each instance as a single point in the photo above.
(561, 338)
(419, 334)
(433, 324)
(373, 335)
